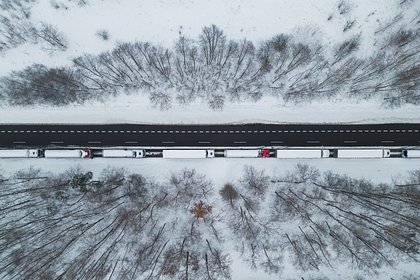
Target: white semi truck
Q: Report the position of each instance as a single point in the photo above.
(302, 153)
(123, 153)
(188, 154)
(20, 153)
(411, 153)
(76, 153)
(363, 153)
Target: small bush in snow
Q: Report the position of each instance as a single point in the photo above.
(103, 34)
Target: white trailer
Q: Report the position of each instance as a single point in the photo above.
(122, 153)
(411, 153)
(302, 153)
(363, 153)
(242, 153)
(188, 153)
(67, 153)
(19, 153)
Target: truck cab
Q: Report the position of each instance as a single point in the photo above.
(87, 153)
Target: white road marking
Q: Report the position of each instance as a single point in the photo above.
(76, 131)
(239, 142)
(9, 131)
(354, 130)
(131, 142)
(71, 131)
(286, 131)
(279, 131)
(385, 130)
(276, 142)
(94, 142)
(292, 131)
(304, 131)
(171, 131)
(360, 130)
(347, 131)
(328, 131)
(350, 141)
(28, 131)
(96, 131)
(84, 131)
(3, 131)
(391, 130)
(19, 142)
(60, 131)
(416, 130)
(176, 131)
(312, 142)
(379, 130)
(323, 131)
(201, 131)
(387, 141)
(298, 131)
(231, 131)
(273, 131)
(203, 142)
(56, 142)
(103, 131)
(316, 131)
(168, 142)
(159, 131)
(410, 130)
(165, 131)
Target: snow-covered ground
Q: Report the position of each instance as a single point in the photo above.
(163, 21)
(137, 109)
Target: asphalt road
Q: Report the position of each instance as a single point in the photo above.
(209, 135)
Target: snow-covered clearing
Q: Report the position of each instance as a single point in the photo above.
(137, 109)
(222, 170)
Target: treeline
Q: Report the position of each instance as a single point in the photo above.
(217, 70)
(124, 226)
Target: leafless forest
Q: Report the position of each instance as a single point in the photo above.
(116, 225)
(215, 69)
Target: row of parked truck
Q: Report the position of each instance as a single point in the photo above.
(207, 153)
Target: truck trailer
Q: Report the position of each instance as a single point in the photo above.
(86, 153)
(188, 154)
(20, 153)
(363, 153)
(123, 153)
(302, 153)
(242, 153)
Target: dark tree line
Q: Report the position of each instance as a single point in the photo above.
(324, 220)
(217, 70)
(78, 225)
(116, 226)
